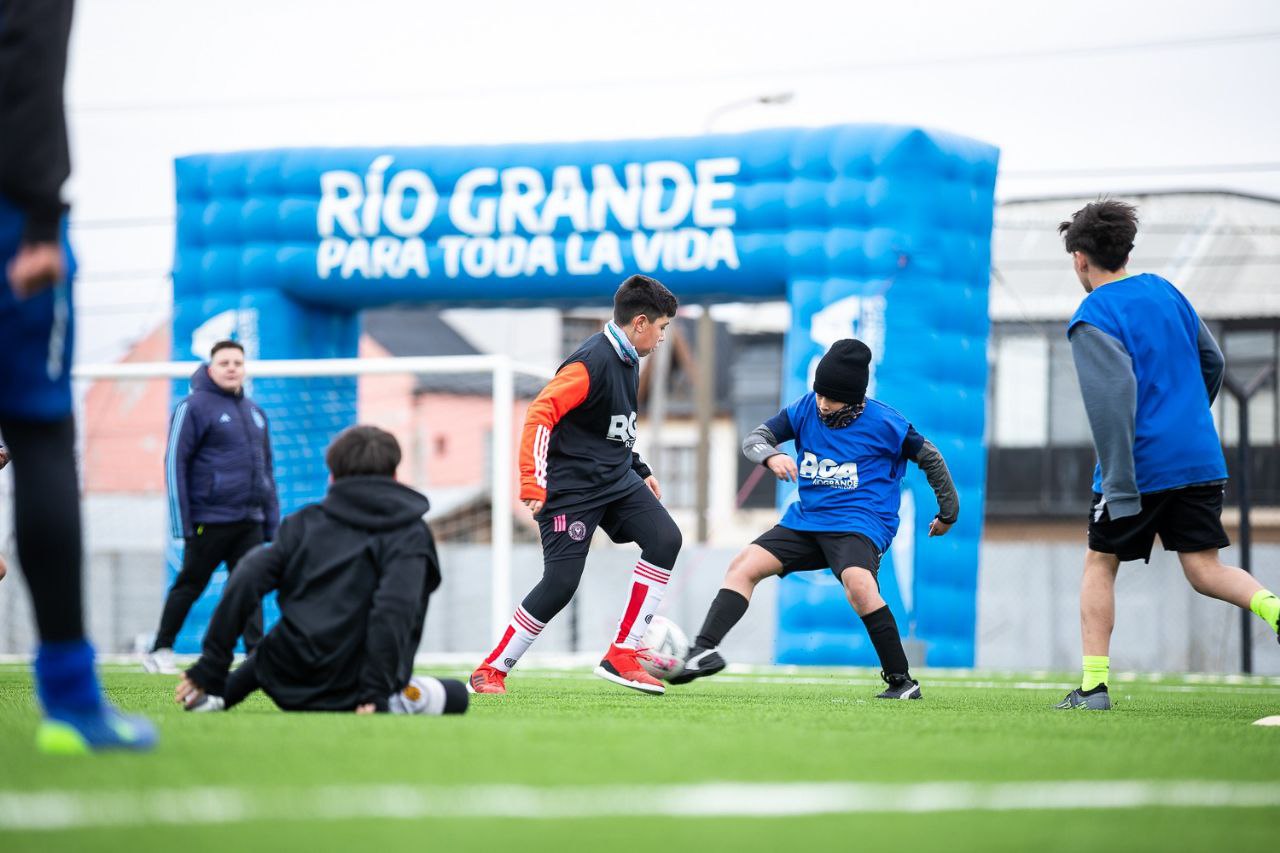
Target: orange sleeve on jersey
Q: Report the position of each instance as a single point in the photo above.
(564, 392)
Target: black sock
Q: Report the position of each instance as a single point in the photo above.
(46, 495)
(884, 636)
(726, 610)
(1100, 688)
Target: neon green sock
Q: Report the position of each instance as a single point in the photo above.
(1267, 606)
(1096, 670)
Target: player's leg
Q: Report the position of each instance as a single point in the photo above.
(47, 528)
(200, 556)
(565, 541)
(1209, 576)
(775, 552)
(639, 517)
(750, 566)
(1192, 526)
(248, 536)
(855, 560)
(1111, 542)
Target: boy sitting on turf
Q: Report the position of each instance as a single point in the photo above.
(353, 575)
(853, 453)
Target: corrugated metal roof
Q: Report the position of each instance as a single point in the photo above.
(1220, 249)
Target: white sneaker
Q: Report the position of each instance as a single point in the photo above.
(159, 662)
(207, 703)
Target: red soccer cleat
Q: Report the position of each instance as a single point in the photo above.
(622, 666)
(486, 679)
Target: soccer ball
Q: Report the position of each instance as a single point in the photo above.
(667, 648)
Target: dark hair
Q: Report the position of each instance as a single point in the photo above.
(1104, 231)
(363, 451)
(640, 294)
(227, 344)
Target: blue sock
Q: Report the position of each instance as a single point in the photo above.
(66, 681)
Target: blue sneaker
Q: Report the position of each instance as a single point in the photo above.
(103, 729)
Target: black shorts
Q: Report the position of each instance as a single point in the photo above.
(567, 534)
(804, 550)
(1186, 519)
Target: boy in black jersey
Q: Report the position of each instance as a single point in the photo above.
(578, 471)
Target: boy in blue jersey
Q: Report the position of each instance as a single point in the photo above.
(1149, 371)
(853, 452)
(37, 329)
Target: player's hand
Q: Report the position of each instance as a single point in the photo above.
(782, 466)
(652, 482)
(4, 456)
(187, 693)
(36, 267)
(4, 570)
(366, 708)
(534, 505)
(937, 527)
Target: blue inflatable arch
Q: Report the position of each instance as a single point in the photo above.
(874, 231)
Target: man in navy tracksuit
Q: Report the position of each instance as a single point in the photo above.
(222, 493)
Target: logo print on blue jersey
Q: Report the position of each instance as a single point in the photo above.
(828, 472)
(225, 419)
(258, 419)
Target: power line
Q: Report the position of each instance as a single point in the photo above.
(1186, 169)
(1209, 261)
(597, 82)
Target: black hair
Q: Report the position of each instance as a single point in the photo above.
(227, 344)
(1104, 231)
(363, 451)
(640, 294)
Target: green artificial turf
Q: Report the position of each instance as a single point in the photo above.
(558, 729)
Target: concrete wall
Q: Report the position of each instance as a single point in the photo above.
(1027, 608)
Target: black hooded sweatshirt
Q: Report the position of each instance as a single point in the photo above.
(353, 575)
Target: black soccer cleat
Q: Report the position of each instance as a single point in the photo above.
(900, 687)
(700, 662)
(1096, 699)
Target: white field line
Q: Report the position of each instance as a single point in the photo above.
(1257, 686)
(64, 810)
(838, 681)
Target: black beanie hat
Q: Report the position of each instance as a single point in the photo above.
(842, 373)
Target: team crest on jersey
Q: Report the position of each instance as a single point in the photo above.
(258, 420)
(577, 531)
(623, 428)
(828, 472)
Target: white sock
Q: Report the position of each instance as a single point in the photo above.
(648, 583)
(516, 640)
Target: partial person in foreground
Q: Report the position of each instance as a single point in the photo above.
(37, 327)
(353, 574)
(222, 490)
(853, 452)
(578, 471)
(1149, 370)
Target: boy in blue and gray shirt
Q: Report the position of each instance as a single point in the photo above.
(852, 452)
(1149, 371)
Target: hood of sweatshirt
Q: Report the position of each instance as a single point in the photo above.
(374, 503)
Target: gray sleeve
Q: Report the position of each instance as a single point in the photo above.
(1110, 391)
(760, 444)
(939, 477)
(1212, 365)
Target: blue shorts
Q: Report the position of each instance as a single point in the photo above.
(36, 336)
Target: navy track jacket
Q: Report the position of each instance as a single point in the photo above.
(218, 466)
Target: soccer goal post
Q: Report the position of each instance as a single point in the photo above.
(501, 369)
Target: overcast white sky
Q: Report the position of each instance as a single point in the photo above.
(1082, 97)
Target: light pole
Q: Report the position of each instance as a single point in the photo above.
(704, 381)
